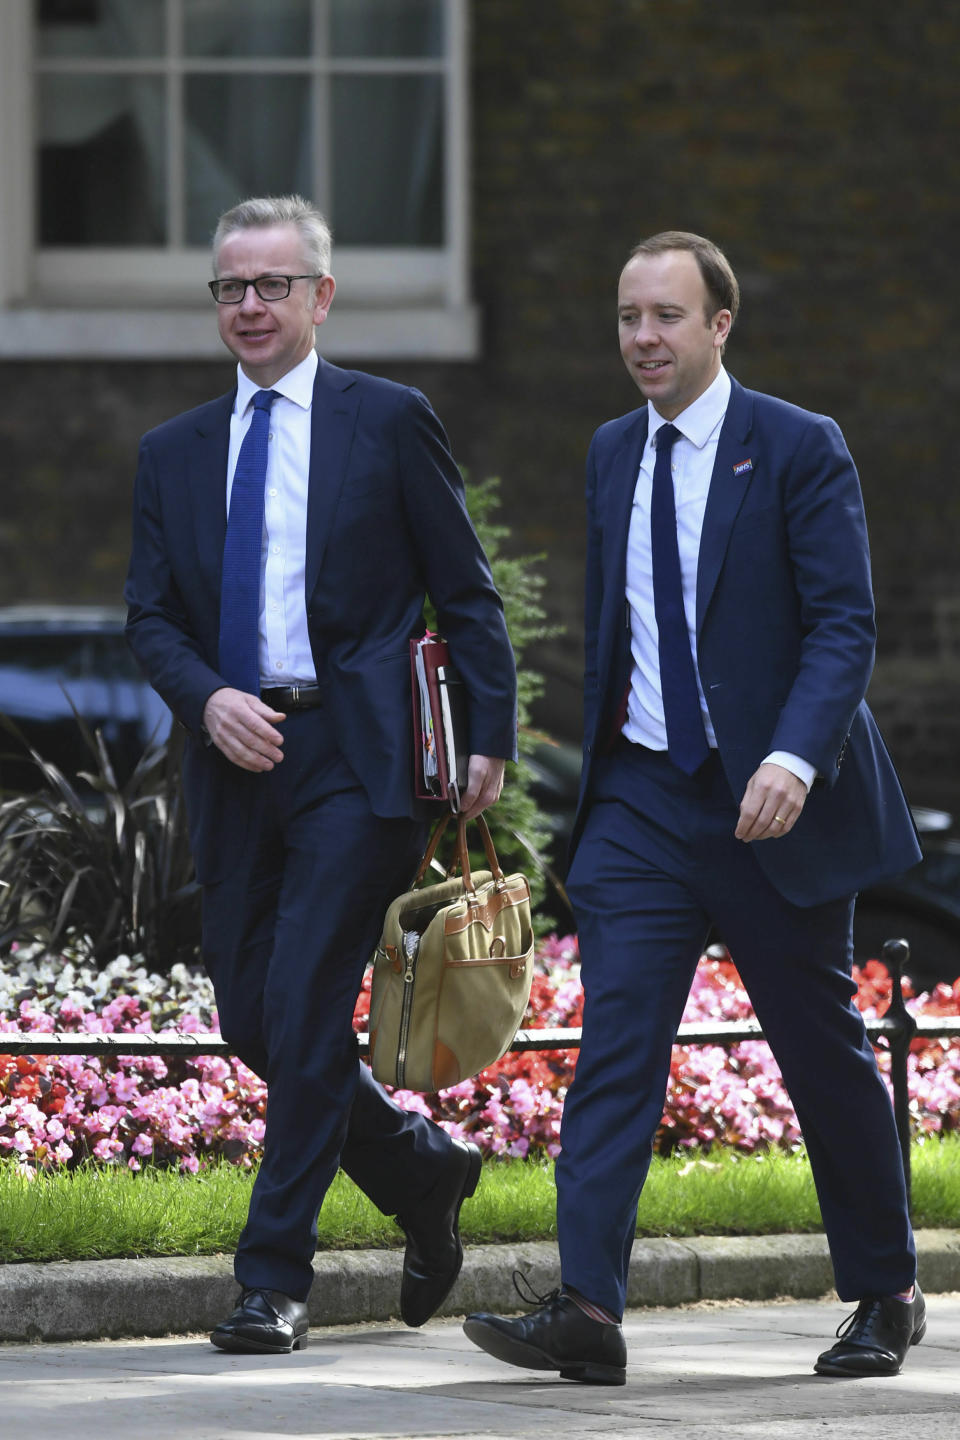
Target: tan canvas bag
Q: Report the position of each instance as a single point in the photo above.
(452, 972)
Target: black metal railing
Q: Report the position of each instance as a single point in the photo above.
(897, 1027)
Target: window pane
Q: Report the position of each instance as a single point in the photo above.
(102, 160)
(241, 28)
(246, 135)
(82, 29)
(387, 159)
(386, 27)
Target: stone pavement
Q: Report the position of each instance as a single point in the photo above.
(717, 1370)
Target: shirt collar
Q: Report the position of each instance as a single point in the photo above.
(296, 385)
(700, 419)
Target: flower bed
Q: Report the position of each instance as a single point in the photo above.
(134, 1110)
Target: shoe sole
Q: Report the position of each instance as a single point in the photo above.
(844, 1373)
(238, 1344)
(529, 1357)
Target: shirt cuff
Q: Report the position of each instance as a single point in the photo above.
(801, 768)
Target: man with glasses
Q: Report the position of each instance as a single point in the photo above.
(284, 537)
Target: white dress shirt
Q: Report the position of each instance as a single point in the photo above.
(285, 654)
(694, 452)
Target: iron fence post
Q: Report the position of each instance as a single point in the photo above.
(902, 1029)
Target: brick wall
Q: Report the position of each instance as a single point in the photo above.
(819, 149)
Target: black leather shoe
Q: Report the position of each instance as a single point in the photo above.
(876, 1337)
(558, 1336)
(434, 1254)
(265, 1322)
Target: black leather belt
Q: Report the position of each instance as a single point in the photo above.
(293, 697)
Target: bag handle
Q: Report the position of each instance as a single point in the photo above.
(489, 849)
(461, 855)
(431, 849)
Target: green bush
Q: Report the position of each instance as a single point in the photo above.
(518, 829)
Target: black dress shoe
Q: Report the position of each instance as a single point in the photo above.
(265, 1322)
(434, 1254)
(558, 1336)
(876, 1338)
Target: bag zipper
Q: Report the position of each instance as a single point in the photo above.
(411, 949)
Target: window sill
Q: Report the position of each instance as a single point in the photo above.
(386, 333)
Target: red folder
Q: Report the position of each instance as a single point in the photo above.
(439, 722)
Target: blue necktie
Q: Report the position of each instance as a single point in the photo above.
(686, 740)
(240, 585)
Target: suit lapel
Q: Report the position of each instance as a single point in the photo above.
(336, 400)
(733, 470)
(206, 467)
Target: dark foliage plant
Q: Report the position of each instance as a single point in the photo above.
(106, 869)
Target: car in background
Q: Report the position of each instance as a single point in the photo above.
(55, 659)
(921, 906)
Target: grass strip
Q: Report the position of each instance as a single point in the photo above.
(101, 1213)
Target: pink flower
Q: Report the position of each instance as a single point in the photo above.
(216, 1070)
(413, 1101)
(111, 1115)
(124, 1087)
(107, 1150)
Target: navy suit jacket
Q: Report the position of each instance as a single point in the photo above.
(386, 524)
(785, 634)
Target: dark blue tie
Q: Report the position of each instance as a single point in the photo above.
(686, 740)
(240, 585)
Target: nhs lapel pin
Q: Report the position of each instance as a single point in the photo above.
(743, 467)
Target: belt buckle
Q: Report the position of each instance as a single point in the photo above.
(295, 694)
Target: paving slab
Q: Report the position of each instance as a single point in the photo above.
(718, 1370)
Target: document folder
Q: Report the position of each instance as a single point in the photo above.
(439, 723)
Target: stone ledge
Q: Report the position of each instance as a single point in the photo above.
(110, 1299)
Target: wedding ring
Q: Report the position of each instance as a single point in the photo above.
(779, 820)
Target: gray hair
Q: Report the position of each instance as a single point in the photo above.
(265, 210)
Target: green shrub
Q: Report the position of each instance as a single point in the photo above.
(518, 829)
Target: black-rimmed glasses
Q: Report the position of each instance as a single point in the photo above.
(268, 287)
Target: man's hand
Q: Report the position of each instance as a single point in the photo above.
(771, 804)
(484, 783)
(241, 725)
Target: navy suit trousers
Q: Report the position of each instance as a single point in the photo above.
(287, 936)
(656, 865)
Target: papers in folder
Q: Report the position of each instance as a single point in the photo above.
(439, 723)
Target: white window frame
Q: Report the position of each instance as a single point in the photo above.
(140, 303)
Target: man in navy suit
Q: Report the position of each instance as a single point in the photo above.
(732, 776)
(298, 774)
